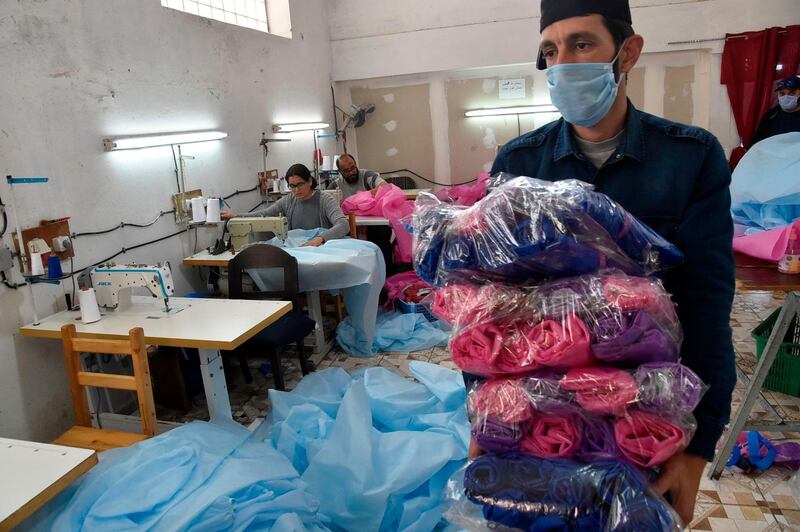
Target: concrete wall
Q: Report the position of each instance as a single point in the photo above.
(76, 71)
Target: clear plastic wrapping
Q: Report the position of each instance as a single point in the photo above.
(608, 318)
(528, 230)
(516, 491)
(589, 414)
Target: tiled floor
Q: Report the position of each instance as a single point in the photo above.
(738, 502)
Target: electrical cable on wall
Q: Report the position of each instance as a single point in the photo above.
(123, 224)
(407, 171)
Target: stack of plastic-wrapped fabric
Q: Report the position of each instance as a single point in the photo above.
(582, 395)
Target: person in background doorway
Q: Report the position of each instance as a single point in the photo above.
(353, 179)
(784, 117)
(305, 208)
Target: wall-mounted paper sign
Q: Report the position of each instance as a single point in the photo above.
(512, 88)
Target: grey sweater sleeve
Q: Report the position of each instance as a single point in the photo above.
(332, 213)
(276, 209)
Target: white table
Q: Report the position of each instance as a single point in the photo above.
(33, 473)
(321, 345)
(206, 324)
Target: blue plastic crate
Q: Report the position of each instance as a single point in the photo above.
(414, 308)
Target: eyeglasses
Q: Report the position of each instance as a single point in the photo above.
(297, 185)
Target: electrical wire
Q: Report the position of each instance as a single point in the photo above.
(257, 206)
(407, 171)
(177, 171)
(125, 250)
(229, 196)
(123, 224)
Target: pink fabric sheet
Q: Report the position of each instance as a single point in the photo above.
(495, 349)
(605, 391)
(562, 345)
(551, 436)
(648, 440)
(396, 284)
(467, 195)
(389, 202)
(768, 245)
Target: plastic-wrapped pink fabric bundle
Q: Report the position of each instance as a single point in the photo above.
(449, 301)
(607, 317)
(550, 436)
(649, 440)
(495, 349)
(466, 195)
(504, 400)
(561, 345)
(388, 202)
(605, 391)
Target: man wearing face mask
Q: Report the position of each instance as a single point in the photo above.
(784, 117)
(672, 176)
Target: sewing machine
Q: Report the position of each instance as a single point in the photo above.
(245, 231)
(113, 284)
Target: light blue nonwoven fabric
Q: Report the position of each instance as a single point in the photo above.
(200, 476)
(399, 332)
(370, 451)
(354, 266)
(380, 461)
(765, 190)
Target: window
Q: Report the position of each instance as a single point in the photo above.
(269, 16)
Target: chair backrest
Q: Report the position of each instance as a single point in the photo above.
(351, 219)
(79, 380)
(264, 256)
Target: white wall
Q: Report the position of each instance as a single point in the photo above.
(425, 36)
(76, 71)
(456, 39)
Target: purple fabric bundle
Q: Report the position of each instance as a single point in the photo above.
(496, 437)
(597, 442)
(632, 338)
(668, 388)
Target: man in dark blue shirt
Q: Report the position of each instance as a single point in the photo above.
(784, 117)
(672, 176)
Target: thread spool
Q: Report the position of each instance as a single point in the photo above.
(198, 210)
(90, 312)
(54, 267)
(37, 268)
(213, 211)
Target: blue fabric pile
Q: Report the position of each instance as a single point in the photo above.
(765, 191)
(368, 452)
(396, 332)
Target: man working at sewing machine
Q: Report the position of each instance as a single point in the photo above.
(353, 179)
(305, 208)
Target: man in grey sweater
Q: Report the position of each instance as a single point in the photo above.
(353, 179)
(305, 208)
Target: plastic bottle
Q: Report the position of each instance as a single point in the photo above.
(790, 263)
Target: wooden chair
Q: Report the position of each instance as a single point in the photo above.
(351, 219)
(290, 328)
(83, 434)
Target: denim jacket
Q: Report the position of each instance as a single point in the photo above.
(675, 178)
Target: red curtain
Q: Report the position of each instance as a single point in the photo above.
(752, 63)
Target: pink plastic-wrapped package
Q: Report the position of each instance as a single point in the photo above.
(388, 202)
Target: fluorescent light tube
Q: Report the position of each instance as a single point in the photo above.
(305, 126)
(503, 111)
(164, 139)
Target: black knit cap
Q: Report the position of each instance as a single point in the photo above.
(555, 10)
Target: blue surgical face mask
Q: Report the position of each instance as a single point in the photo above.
(788, 102)
(583, 92)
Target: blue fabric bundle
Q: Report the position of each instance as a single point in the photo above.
(395, 332)
(198, 476)
(370, 452)
(527, 229)
(527, 493)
